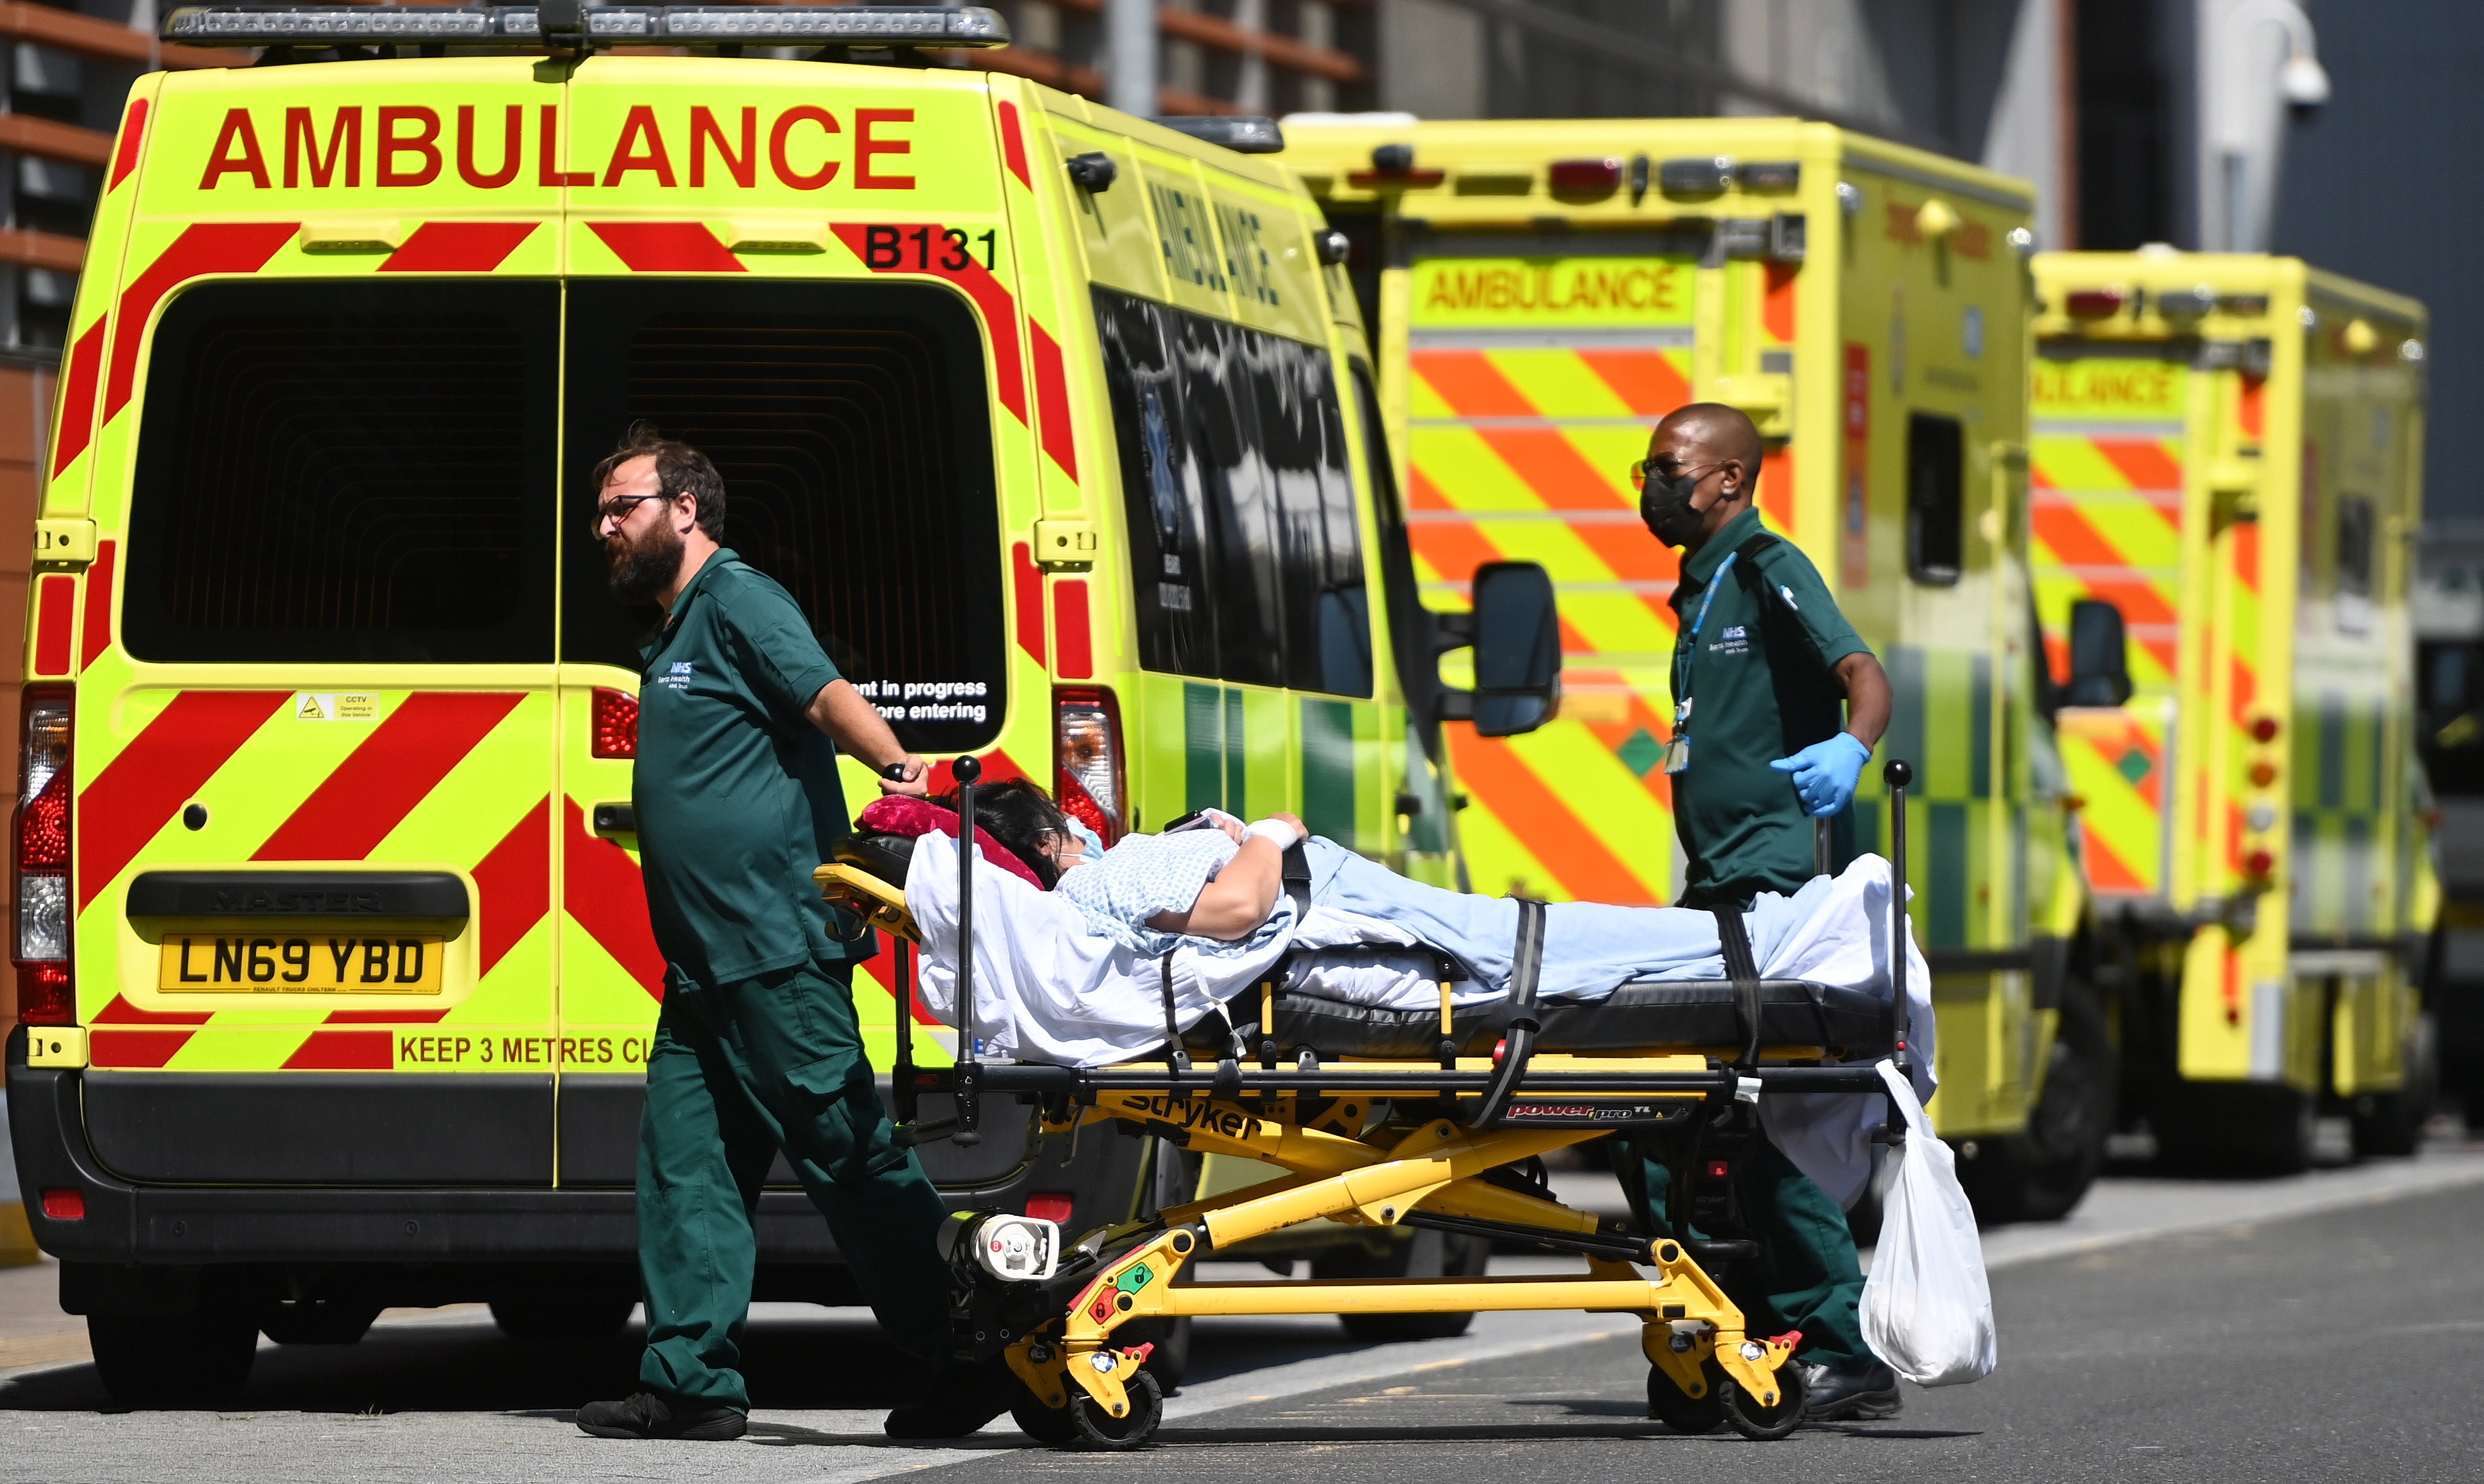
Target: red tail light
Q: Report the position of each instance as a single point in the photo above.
(616, 723)
(1049, 1205)
(2259, 865)
(1582, 177)
(65, 1203)
(1089, 777)
(2094, 303)
(46, 991)
(2263, 729)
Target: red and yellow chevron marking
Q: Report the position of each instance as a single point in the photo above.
(2107, 513)
(1523, 453)
(440, 779)
(2116, 763)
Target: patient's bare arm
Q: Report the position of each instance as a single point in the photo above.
(1239, 899)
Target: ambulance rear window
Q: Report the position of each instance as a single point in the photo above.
(849, 422)
(346, 472)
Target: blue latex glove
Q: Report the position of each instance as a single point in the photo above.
(1824, 774)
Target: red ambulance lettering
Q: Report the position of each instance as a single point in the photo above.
(236, 135)
(512, 141)
(422, 142)
(302, 146)
(642, 128)
(744, 167)
(865, 147)
(779, 136)
(548, 138)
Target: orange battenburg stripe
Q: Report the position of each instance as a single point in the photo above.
(1555, 835)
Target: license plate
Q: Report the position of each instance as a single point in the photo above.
(299, 963)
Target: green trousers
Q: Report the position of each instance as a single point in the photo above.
(1805, 1276)
(738, 1071)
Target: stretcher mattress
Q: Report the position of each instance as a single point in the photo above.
(1676, 1014)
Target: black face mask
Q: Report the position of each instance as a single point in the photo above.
(1664, 505)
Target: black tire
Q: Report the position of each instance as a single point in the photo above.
(1696, 1416)
(1765, 1424)
(2389, 1125)
(2063, 1149)
(1099, 1430)
(1429, 1255)
(180, 1361)
(1051, 1426)
(563, 1318)
(2234, 1128)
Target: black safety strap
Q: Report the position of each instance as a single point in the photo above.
(1174, 1052)
(1736, 943)
(1298, 879)
(1526, 964)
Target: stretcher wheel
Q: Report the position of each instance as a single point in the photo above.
(1764, 1424)
(1098, 1429)
(1692, 1414)
(1051, 1426)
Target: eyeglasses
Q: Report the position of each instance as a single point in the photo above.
(617, 509)
(1640, 472)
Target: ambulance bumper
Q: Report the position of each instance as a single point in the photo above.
(122, 1220)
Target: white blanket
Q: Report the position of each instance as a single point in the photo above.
(1050, 988)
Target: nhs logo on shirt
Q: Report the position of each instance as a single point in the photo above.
(1735, 640)
(679, 677)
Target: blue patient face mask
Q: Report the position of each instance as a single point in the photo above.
(1090, 844)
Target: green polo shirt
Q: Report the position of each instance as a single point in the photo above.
(736, 791)
(1761, 688)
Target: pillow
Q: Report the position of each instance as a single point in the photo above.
(896, 814)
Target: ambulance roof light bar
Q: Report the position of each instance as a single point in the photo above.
(513, 25)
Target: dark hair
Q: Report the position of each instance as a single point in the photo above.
(680, 470)
(1020, 816)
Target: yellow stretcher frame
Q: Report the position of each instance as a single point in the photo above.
(1345, 1163)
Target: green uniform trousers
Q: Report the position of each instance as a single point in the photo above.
(1805, 1276)
(739, 1070)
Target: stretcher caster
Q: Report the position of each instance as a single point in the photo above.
(1764, 1424)
(1695, 1415)
(1096, 1429)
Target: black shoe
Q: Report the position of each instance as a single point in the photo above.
(1863, 1396)
(956, 1401)
(653, 1414)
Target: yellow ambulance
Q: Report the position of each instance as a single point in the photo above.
(333, 959)
(1541, 293)
(2227, 470)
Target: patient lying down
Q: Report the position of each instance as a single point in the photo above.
(1075, 976)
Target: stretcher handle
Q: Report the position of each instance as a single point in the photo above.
(1898, 774)
(1821, 857)
(970, 1072)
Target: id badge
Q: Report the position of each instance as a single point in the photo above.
(1677, 754)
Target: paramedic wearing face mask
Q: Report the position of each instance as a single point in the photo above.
(757, 1049)
(1777, 706)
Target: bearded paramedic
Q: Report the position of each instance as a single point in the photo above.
(757, 1047)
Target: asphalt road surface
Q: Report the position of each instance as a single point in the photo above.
(2331, 1327)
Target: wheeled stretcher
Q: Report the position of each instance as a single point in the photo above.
(1396, 1117)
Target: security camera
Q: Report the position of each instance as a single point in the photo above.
(2303, 82)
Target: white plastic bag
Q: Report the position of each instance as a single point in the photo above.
(1926, 1308)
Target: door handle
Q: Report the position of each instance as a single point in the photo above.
(612, 820)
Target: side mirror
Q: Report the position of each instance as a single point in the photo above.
(1516, 630)
(2100, 656)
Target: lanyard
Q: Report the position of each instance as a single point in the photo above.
(1688, 652)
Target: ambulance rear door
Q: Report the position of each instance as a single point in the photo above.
(818, 289)
(315, 733)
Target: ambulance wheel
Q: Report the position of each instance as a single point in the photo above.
(1428, 1255)
(1100, 1429)
(1765, 1424)
(173, 1361)
(2391, 1123)
(1051, 1426)
(1696, 1416)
